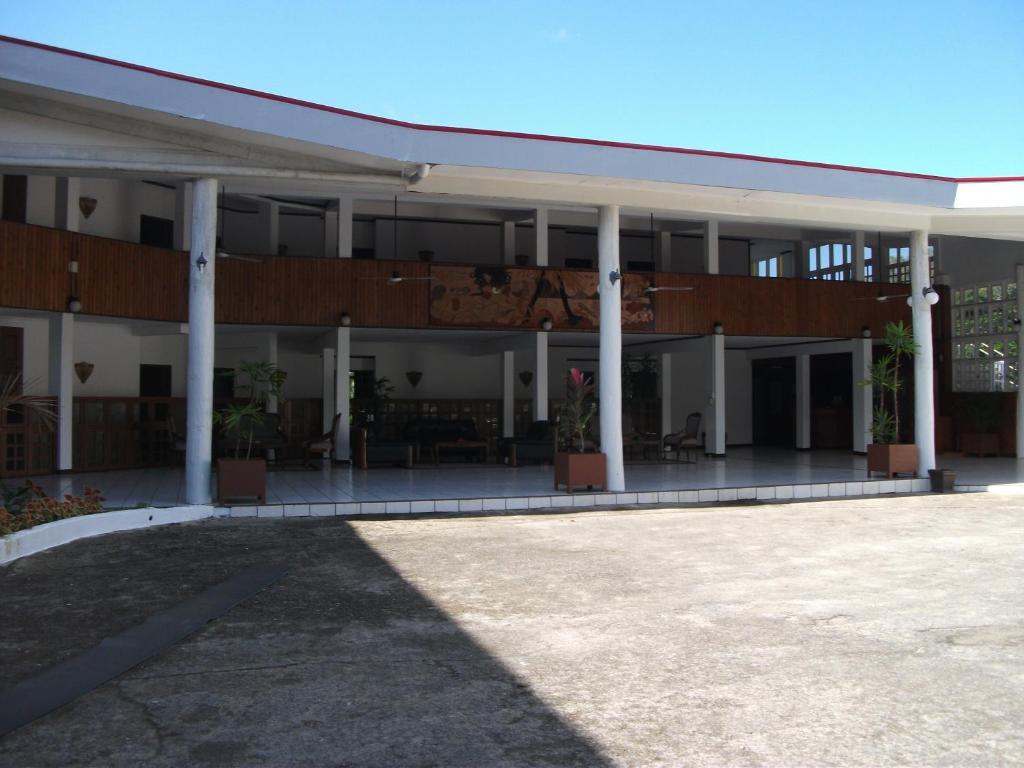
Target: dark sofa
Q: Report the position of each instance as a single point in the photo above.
(367, 450)
(537, 445)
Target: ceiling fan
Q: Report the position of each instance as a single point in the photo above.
(883, 297)
(660, 288)
(395, 278)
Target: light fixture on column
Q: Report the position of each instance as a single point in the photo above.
(74, 304)
(83, 371)
(345, 319)
(614, 276)
(930, 295)
(865, 332)
(201, 262)
(526, 377)
(718, 329)
(87, 205)
(414, 377)
(545, 324)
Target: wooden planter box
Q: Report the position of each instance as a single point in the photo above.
(891, 460)
(242, 480)
(980, 443)
(581, 470)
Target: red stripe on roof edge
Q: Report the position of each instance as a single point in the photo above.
(489, 132)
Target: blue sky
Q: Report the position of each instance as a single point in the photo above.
(932, 87)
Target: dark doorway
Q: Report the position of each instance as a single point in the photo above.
(154, 381)
(774, 407)
(15, 198)
(832, 401)
(11, 344)
(223, 383)
(154, 230)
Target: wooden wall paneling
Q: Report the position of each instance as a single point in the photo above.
(33, 267)
(406, 304)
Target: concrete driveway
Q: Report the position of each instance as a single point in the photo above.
(873, 632)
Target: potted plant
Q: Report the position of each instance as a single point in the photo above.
(574, 466)
(239, 475)
(982, 413)
(886, 454)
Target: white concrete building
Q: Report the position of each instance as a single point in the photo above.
(160, 228)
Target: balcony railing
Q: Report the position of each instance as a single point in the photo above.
(120, 279)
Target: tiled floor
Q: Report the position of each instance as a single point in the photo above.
(746, 473)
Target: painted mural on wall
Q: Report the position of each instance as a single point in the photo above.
(510, 297)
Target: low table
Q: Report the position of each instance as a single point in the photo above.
(476, 445)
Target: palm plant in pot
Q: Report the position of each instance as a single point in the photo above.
(575, 467)
(886, 454)
(240, 475)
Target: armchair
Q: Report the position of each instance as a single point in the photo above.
(685, 440)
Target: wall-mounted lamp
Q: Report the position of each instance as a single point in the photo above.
(201, 263)
(526, 377)
(414, 377)
(345, 319)
(865, 332)
(1016, 322)
(718, 329)
(614, 276)
(83, 371)
(930, 295)
(73, 267)
(545, 324)
(87, 205)
(74, 304)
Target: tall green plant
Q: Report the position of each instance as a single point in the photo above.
(13, 399)
(884, 378)
(576, 414)
(263, 381)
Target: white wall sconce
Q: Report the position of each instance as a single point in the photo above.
(545, 324)
(865, 332)
(345, 320)
(74, 304)
(718, 329)
(930, 295)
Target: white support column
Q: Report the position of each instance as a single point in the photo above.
(62, 351)
(803, 402)
(508, 393)
(858, 257)
(715, 432)
(664, 251)
(327, 363)
(540, 379)
(924, 396)
(270, 226)
(508, 242)
(183, 216)
(342, 405)
(863, 396)
(65, 203)
(272, 359)
(1020, 357)
(800, 259)
(345, 227)
(666, 393)
(610, 366)
(711, 247)
(201, 331)
(540, 234)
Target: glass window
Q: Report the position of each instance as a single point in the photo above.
(984, 345)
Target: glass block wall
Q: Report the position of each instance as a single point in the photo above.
(985, 353)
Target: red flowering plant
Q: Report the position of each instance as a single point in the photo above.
(577, 413)
(28, 505)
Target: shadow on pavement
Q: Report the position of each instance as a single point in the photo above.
(343, 663)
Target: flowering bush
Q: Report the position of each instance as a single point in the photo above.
(578, 411)
(27, 506)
